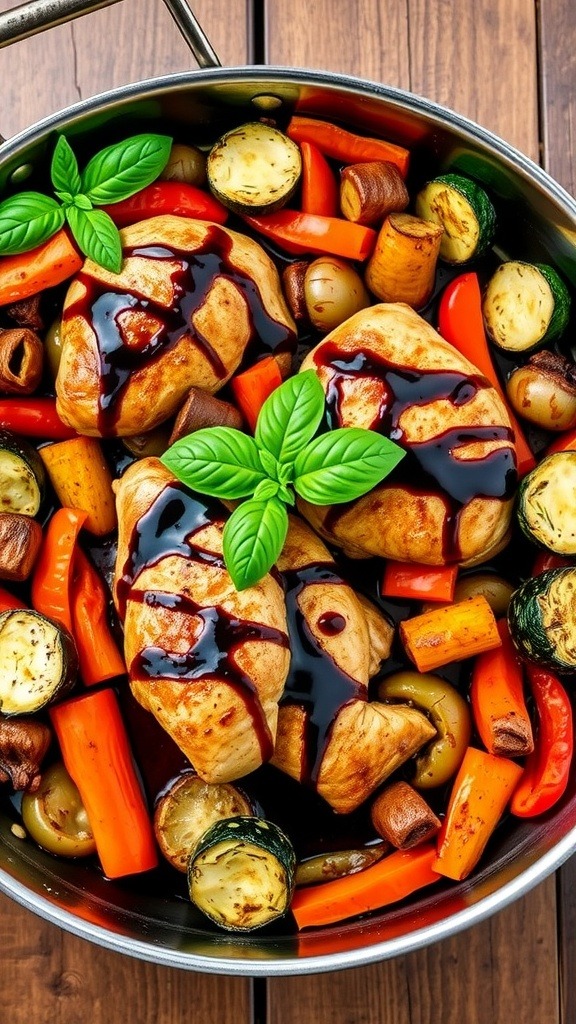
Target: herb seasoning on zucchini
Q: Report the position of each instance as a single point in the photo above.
(254, 169)
(525, 305)
(463, 210)
(39, 661)
(241, 874)
(546, 506)
(542, 619)
(22, 476)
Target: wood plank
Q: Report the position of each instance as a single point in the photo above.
(558, 76)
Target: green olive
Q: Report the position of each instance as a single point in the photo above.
(326, 866)
(494, 588)
(153, 442)
(333, 291)
(55, 816)
(186, 164)
(449, 714)
(543, 391)
(53, 346)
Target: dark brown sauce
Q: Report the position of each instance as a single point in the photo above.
(314, 681)
(103, 308)
(168, 528)
(331, 623)
(430, 465)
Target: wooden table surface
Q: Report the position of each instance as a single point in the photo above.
(511, 66)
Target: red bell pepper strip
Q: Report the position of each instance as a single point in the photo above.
(547, 770)
(481, 790)
(97, 756)
(346, 146)
(34, 417)
(171, 197)
(419, 582)
(309, 232)
(52, 576)
(44, 267)
(549, 560)
(497, 697)
(8, 602)
(389, 880)
(252, 388)
(565, 442)
(461, 323)
(98, 653)
(319, 187)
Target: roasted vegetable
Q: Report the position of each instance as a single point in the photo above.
(22, 475)
(241, 874)
(199, 410)
(402, 267)
(21, 361)
(186, 164)
(24, 743)
(546, 508)
(542, 619)
(449, 633)
(187, 809)
(543, 391)
(525, 305)
(324, 867)
(370, 191)
(497, 698)
(465, 213)
(333, 291)
(254, 169)
(20, 540)
(82, 479)
(55, 816)
(402, 817)
(39, 661)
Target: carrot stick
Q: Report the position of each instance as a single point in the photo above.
(451, 633)
(418, 582)
(98, 653)
(97, 756)
(52, 576)
(319, 187)
(44, 267)
(387, 881)
(82, 479)
(461, 323)
(497, 696)
(346, 146)
(481, 790)
(252, 388)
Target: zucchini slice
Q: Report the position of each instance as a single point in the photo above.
(546, 507)
(254, 169)
(39, 661)
(465, 212)
(241, 874)
(525, 305)
(22, 476)
(187, 809)
(542, 619)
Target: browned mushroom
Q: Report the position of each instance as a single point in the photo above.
(23, 746)
(26, 313)
(20, 540)
(293, 284)
(370, 191)
(202, 409)
(21, 361)
(400, 815)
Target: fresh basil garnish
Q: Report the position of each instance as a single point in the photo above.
(27, 220)
(119, 171)
(291, 416)
(218, 461)
(253, 539)
(116, 173)
(284, 457)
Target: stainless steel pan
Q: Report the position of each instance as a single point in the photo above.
(539, 222)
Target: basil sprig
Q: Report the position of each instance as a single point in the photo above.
(284, 456)
(115, 173)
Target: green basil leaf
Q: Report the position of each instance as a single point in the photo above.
(291, 416)
(218, 461)
(27, 220)
(97, 237)
(253, 540)
(269, 463)
(82, 202)
(344, 464)
(64, 168)
(66, 198)
(119, 171)
(266, 489)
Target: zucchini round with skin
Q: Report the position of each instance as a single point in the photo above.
(463, 210)
(39, 661)
(525, 305)
(187, 809)
(241, 874)
(22, 476)
(254, 169)
(542, 619)
(546, 507)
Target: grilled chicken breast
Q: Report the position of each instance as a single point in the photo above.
(207, 661)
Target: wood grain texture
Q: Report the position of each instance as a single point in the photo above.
(557, 26)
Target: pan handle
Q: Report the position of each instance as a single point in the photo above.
(36, 15)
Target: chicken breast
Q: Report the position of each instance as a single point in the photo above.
(207, 661)
(329, 735)
(190, 299)
(451, 497)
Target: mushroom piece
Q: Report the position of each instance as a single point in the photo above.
(21, 361)
(402, 817)
(23, 746)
